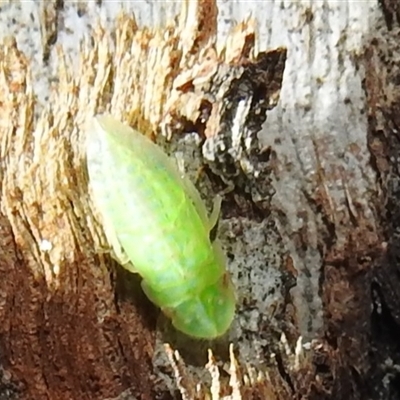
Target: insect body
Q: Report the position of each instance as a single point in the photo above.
(157, 217)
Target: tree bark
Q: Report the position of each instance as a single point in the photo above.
(301, 139)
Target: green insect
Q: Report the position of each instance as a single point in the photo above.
(156, 216)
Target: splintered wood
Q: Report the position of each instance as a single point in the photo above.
(243, 383)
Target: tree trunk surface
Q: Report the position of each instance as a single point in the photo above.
(292, 114)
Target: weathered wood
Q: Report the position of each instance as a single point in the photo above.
(309, 222)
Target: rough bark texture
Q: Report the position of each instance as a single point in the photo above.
(383, 102)
(310, 211)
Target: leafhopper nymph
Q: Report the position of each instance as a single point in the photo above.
(157, 217)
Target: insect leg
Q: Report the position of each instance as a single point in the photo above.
(211, 222)
(214, 217)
